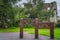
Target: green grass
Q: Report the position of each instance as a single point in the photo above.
(10, 30)
(32, 30)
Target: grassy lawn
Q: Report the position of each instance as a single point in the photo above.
(31, 31)
(10, 30)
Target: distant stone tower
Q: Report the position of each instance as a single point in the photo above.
(53, 8)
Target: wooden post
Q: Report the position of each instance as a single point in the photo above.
(36, 28)
(21, 27)
(51, 30)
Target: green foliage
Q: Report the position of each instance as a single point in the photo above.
(36, 9)
(28, 26)
(58, 24)
(6, 13)
(10, 16)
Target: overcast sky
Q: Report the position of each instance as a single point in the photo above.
(47, 1)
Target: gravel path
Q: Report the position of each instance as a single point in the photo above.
(15, 36)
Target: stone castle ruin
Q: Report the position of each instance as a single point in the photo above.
(53, 8)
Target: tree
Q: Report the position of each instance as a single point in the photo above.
(36, 9)
(19, 12)
(6, 13)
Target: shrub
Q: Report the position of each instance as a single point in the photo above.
(58, 24)
(28, 26)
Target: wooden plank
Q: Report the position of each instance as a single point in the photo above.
(36, 28)
(21, 27)
(51, 30)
